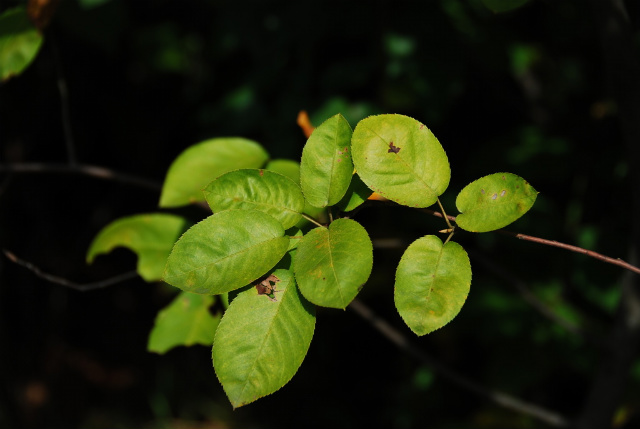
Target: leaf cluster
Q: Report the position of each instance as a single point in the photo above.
(281, 241)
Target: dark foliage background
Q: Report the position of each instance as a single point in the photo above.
(522, 92)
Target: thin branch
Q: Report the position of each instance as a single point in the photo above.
(505, 400)
(615, 261)
(83, 287)
(83, 169)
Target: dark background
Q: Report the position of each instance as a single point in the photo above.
(524, 92)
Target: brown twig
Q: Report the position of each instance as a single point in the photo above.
(615, 261)
(503, 399)
(83, 287)
(83, 169)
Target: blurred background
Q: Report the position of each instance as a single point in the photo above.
(522, 91)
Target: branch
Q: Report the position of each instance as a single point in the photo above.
(615, 261)
(507, 401)
(82, 169)
(83, 287)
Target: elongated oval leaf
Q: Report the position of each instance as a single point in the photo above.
(20, 42)
(326, 168)
(225, 252)
(332, 264)
(432, 283)
(400, 159)
(261, 341)
(150, 236)
(184, 322)
(493, 202)
(199, 164)
(261, 190)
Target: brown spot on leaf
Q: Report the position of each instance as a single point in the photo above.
(261, 172)
(268, 287)
(494, 196)
(421, 126)
(346, 149)
(393, 148)
(482, 190)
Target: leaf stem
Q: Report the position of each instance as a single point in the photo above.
(312, 220)
(444, 215)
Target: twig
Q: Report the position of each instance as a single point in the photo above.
(505, 400)
(615, 261)
(83, 169)
(64, 282)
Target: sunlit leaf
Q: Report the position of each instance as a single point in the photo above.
(326, 168)
(150, 236)
(261, 190)
(199, 164)
(332, 264)
(20, 42)
(432, 283)
(226, 251)
(184, 322)
(400, 159)
(262, 340)
(493, 202)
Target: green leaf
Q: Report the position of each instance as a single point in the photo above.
(357, 194)
(226, 251)
(499, 6)
(261, 190)
(432, 283)
(20, 42)
(184, 322)
(150, 236)
(400, 159)
(326, 168)
(493, 202)
(286, 167)
(261, 341)
(332, 264)
(199, 164)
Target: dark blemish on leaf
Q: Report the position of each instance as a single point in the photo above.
(268, 287)
(494, 196)
(393, 149)
(517, 186)
(504, 191)
(421, 126)
(503, 178)
(324, 278)
(339, 159)
(482, 190)
(261, 172)
(346, 149)
(339, 152)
